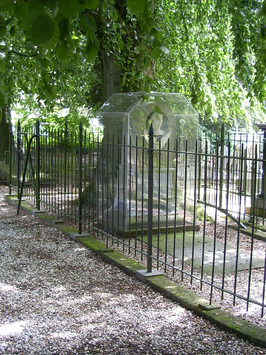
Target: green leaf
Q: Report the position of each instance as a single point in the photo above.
(2, 99)
(2, 30)
(149, 23)
(44, 63)
(156, 32)
(68, 8)
(146, 61)
(62, 52)
(21, 9)
(157, 109)
(137, 50)
(87, 22)
(120, 45)
(91, 51)
(35, 9)
(64, 28)
(136, 6)
(8, 21)
(6, 5)
(91, 4)
(54, 40)
(42, 29)
(263, 31)
(2, 66)
(13, 31)
(155, 54)
(50, 91)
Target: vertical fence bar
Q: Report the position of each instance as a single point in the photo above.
(159, 204)
(253, 227)
(194, 211)
(263, 287)
(45, 167)
(98, 177)
(205, 212)
(245, 180)
(113, 185)
(239, 219)
(57, 186)
(226, 217)
(49, 150)
(184, 213)
(119, 148)
(150, 200)
(65, 158)
(76, 178)
(60, 172)
(80, 181)
(86, 171)
(124, 216)
(167, 204)
(129, 178)
(142, 194)
(215, 226)
(199, 168)
(18, 157)
(136, 196)
(10, 158)
(221, 167)
(107, 192)
(37, 191)
(175, 209)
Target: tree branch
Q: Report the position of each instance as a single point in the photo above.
(22, 54)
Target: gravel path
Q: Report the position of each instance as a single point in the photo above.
(57, 297)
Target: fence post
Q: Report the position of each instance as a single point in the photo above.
(254, 208)
(38, 157)
(65, 158)
(199, 166)
(150, 200)
(18, 156)
(10, 158)
(221, 167)
(80, 181)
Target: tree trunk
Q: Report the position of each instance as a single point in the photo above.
(4, 131)
(111, 77)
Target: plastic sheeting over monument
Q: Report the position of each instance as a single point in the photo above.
(122, 170)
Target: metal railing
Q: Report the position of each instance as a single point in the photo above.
(195, 211)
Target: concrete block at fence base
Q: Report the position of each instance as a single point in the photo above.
(208, 307)
(58, 221)
(8, 197)
(106, 250)
(142, 275)
(75, 236)
(14, 201)
(38, 211)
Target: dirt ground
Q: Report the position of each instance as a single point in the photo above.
(57, 297)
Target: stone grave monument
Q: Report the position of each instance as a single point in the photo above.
(122, 170)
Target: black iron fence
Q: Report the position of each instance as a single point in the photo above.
(195, 211)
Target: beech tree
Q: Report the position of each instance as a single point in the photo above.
(78, 52)
(56, 51)
(216, 57)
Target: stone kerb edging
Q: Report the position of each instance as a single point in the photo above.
(160, 283)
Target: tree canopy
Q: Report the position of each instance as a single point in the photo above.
(217, 56)
(52, 53)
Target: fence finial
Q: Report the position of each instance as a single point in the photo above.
(151, 132)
